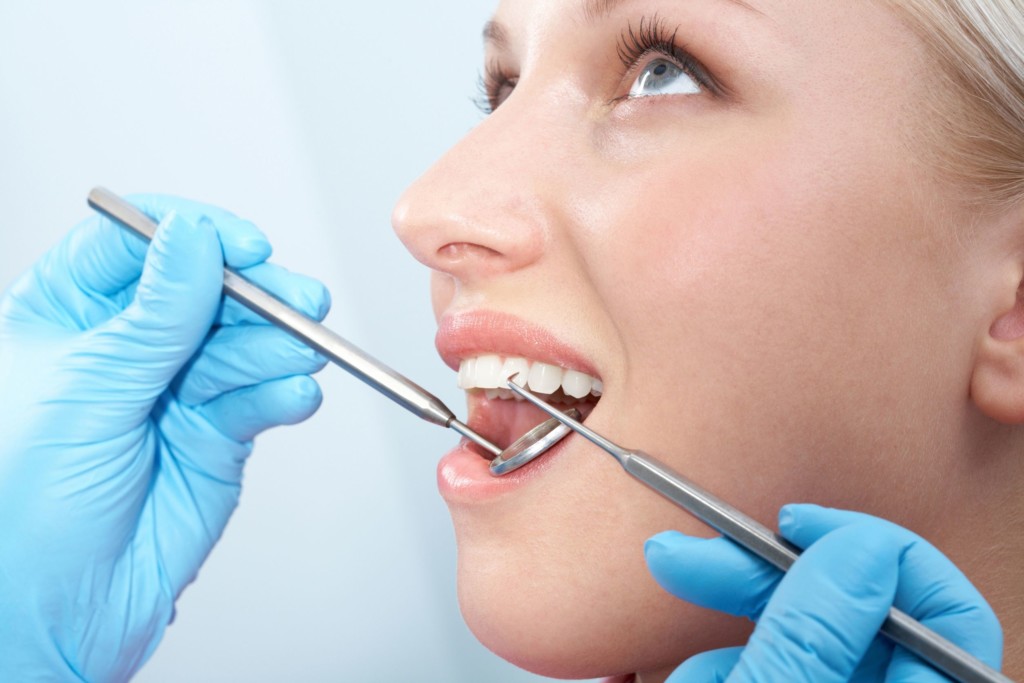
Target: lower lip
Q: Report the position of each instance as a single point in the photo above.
(465, 477)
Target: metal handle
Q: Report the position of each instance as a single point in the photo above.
(899, 627)
(399, 389)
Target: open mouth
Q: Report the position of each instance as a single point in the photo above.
(503, 416)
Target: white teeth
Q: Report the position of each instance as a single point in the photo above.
(490, 372)
(576, 383)
(545, 378)
(501, 393)
(518, 369)
(467, 373)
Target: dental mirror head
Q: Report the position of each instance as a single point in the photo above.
(532, 445)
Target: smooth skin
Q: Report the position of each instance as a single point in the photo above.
(785, 298)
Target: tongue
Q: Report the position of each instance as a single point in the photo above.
(503, 421)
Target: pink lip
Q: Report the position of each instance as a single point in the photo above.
(466, 335)
(463, 476)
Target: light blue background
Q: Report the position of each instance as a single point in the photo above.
(308, 118)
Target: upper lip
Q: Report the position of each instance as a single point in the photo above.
(465, 335)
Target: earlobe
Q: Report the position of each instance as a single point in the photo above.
(997, 384)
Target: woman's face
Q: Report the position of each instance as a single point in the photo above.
(722, 210)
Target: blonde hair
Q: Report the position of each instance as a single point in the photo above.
(978, 46)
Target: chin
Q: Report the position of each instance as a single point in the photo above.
(521, 623)
(565, 617)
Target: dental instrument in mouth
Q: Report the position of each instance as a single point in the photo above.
(899, 627)
(343, 353)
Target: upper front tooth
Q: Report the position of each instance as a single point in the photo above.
(467, 373)
(518, 369)
(545, 378)
(576, 383)
(488, 372)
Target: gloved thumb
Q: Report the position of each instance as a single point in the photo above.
(140, 350)
(826, 611)
(707, 667)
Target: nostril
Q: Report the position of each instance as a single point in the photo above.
(459, 251)
(464, 218)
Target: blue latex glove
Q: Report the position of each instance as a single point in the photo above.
(818, 623)
(128, 406)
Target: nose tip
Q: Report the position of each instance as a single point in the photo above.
(467, 218)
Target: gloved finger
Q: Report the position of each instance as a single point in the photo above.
(244, 413)
(304, 293)
(244, 244)
(240, 356)
(804, 523)
(827, 609)
(139, 351)
(711, 572)
(936, 593)
(196, 487)
(96, 257)
(71, 285)
(76, 282)
(101, 257)
(931, 588)
(707, 667)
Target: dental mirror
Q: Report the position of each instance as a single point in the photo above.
(532, 444)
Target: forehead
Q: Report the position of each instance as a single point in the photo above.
(594, 9)
(496, 31)
(531, 16)
(586, 11)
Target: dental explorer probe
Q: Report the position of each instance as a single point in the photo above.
(899, 627)
(399, 389)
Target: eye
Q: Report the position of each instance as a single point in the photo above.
(494, 87)
(663, 77)
(663, 65)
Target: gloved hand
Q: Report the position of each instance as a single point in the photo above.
(128, 406)
(818, 623)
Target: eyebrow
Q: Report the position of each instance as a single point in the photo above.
(598, 9)
(495, 33)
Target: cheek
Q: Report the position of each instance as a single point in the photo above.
(776, 317)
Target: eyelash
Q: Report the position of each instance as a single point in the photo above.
(489, 85)
(651, 37)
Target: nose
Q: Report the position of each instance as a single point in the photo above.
(483, 209)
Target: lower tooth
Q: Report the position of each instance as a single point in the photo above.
(491, 393)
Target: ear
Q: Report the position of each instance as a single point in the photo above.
(997, 383)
